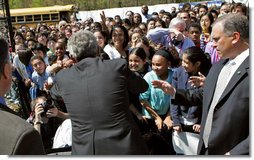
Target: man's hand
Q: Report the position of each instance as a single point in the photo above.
(165, 86)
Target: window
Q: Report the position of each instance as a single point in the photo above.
(55, 17)
(13, 19)
(37, 17)
(20, 19)
(29, 18)
(45, 17)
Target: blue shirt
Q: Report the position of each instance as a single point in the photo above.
(39, 80)
(159, 101)
(2, 101)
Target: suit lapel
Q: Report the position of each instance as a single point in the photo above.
(239, 73)
(211, 82)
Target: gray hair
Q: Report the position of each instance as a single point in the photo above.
(176, 22)
(4, 55)
(235, 23)
(82, 44)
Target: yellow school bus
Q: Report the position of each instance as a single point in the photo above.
(50, 15)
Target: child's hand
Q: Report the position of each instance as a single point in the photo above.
(47, 86)
(28, 82)
(68, 63)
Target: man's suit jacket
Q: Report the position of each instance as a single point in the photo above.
(230, 125)
(96, 96)
(18, 137)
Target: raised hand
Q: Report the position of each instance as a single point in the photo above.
(103, 17)
(197, 81)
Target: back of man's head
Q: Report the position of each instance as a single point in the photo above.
(82, 44)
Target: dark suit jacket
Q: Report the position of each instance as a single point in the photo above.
(96, 96)
(18, 137)
(230, 127)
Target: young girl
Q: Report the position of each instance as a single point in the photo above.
(101, 38)
(19, 38)
(117, 48)
(188, 118)
(154, 101)
(133, 40)
(61, 59)
(206, 21)
(156, 104)
(137, 63)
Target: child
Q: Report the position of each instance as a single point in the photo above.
(188, 118)
(137, 63)
(40, 78)
(61, 59)
(156, 104)
(41, 50)
(46, 118)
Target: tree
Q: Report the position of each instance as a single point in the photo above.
(88, 4)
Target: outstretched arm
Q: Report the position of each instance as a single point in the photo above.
(165, 86)
(180, 97)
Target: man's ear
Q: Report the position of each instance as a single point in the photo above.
(236, 37)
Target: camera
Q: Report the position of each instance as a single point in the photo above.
(175, 41)
(46, 106)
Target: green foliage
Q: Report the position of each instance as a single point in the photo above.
(90, 4)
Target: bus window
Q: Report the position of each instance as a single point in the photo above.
(20, 18)
(54, 17)
(13, 19)
(29, 18)
(37, 17)
(45, 17)
(50, 14)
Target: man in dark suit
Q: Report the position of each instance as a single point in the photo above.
(229, 118)
(95, 92)
(17, 137)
